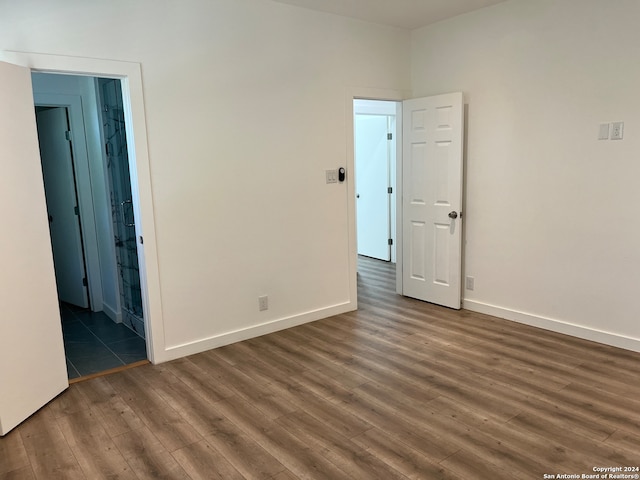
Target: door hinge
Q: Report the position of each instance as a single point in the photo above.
(76, 210)
(84, 282)
(390, 241)
(390, 190)
(389, 136)
(141, 240)
(67, 135)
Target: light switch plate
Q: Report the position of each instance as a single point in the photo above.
(332, 176)
(604, 132)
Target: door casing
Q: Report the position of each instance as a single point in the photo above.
(369, 94)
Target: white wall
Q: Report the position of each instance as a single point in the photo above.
(245, 109)
(552, 236)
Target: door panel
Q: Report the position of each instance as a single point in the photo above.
(372, 182)
(417, 251)
(32, 363)
(62, 206)
(432, 182)
(442, 273)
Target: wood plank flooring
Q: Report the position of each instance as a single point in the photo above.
(399, 389)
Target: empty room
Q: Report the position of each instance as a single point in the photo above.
(496, 335)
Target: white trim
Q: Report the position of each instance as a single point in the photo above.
(399, 202)
(112, 313)
(375, 107)
(131, 76)
(209, 343)
(555, 325)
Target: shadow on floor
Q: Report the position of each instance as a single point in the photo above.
(94, 343)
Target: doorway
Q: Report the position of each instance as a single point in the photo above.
(56, 156)
(97, 250)
(375, 156)
(429, 215)
(29, 289)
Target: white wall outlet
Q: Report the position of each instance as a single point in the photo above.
(617, 130)
(332, 176)
(604, 131)
(263, 303)
(470, 283)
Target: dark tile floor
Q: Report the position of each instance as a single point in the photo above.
(94, 343)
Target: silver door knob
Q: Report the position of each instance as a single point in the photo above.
(453, 215)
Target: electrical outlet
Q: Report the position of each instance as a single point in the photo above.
(470, 283)
(617, 130)
(263, 303)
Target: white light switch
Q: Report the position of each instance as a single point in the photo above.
(604, 132)
(332, 176)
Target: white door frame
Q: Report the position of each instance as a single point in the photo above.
(130, 75)
(370, 94)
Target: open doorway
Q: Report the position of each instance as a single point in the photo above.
(429, 217)
(83, 146)
(375, 155)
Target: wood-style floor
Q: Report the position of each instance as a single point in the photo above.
(399, 389)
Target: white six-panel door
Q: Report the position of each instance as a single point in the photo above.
(432, 198)
(32, 363)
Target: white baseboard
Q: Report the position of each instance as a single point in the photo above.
(110, 312)
(555, 325)
(202, 345)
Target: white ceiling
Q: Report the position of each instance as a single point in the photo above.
(408, 14)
